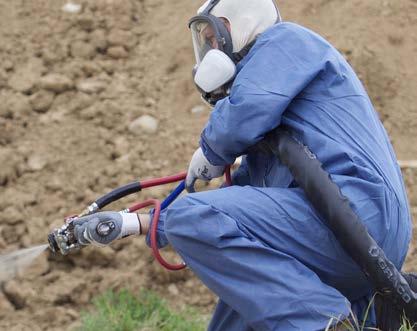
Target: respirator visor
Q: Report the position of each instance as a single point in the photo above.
(209, 32)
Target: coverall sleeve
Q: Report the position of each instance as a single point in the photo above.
(161, 238)
(241, 176)
(278, 68)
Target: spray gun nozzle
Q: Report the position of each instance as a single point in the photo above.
(53, 245)
(63, 240)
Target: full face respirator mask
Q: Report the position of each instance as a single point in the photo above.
(216, 59)
(213, 50)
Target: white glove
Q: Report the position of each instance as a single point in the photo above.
(201, 168)
(102, 228)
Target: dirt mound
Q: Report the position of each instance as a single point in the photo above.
(81, 95)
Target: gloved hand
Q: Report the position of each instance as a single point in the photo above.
(102, 228)
(201, 168)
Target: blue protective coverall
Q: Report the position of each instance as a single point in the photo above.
(259, 245)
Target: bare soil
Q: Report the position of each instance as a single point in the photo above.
(71, 86)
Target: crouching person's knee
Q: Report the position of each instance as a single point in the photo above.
(191, 223)
(179, 222)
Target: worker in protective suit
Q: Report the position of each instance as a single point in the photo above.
(259, 245)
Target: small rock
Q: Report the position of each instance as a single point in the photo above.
(198, 109)
(150, 102)
(56, 83)
(98, 39)
(15, 294)
(120, 38)
(117, 52)
(91, 68)
(52, 55)
(41, 101)
(82, 49)
(91, 112)
(11, 215)
(71, 101)
(53, 117)
(91, 85)
(108, 66)
(86, 23)
(72, 8)
(54, 184)
(144, 123)
(173, 289)
(83, 100)
(36, 162)
(8, 65)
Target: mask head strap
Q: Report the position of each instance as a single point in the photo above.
(210, 6)
(237, 57)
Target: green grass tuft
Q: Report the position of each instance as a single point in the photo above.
(406, 325)
(123, 311)
(352, 323)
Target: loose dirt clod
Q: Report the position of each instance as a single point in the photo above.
(41, 101)
(91, 85)
(56, 83)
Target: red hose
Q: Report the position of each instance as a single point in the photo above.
(163, 180)
(228, 176)
(157, 204)
(154, 228)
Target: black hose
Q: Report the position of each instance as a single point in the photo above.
(118, 193)
(335, 209)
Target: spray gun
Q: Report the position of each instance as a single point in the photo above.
(64, 241)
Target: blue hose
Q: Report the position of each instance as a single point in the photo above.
(173, 195)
